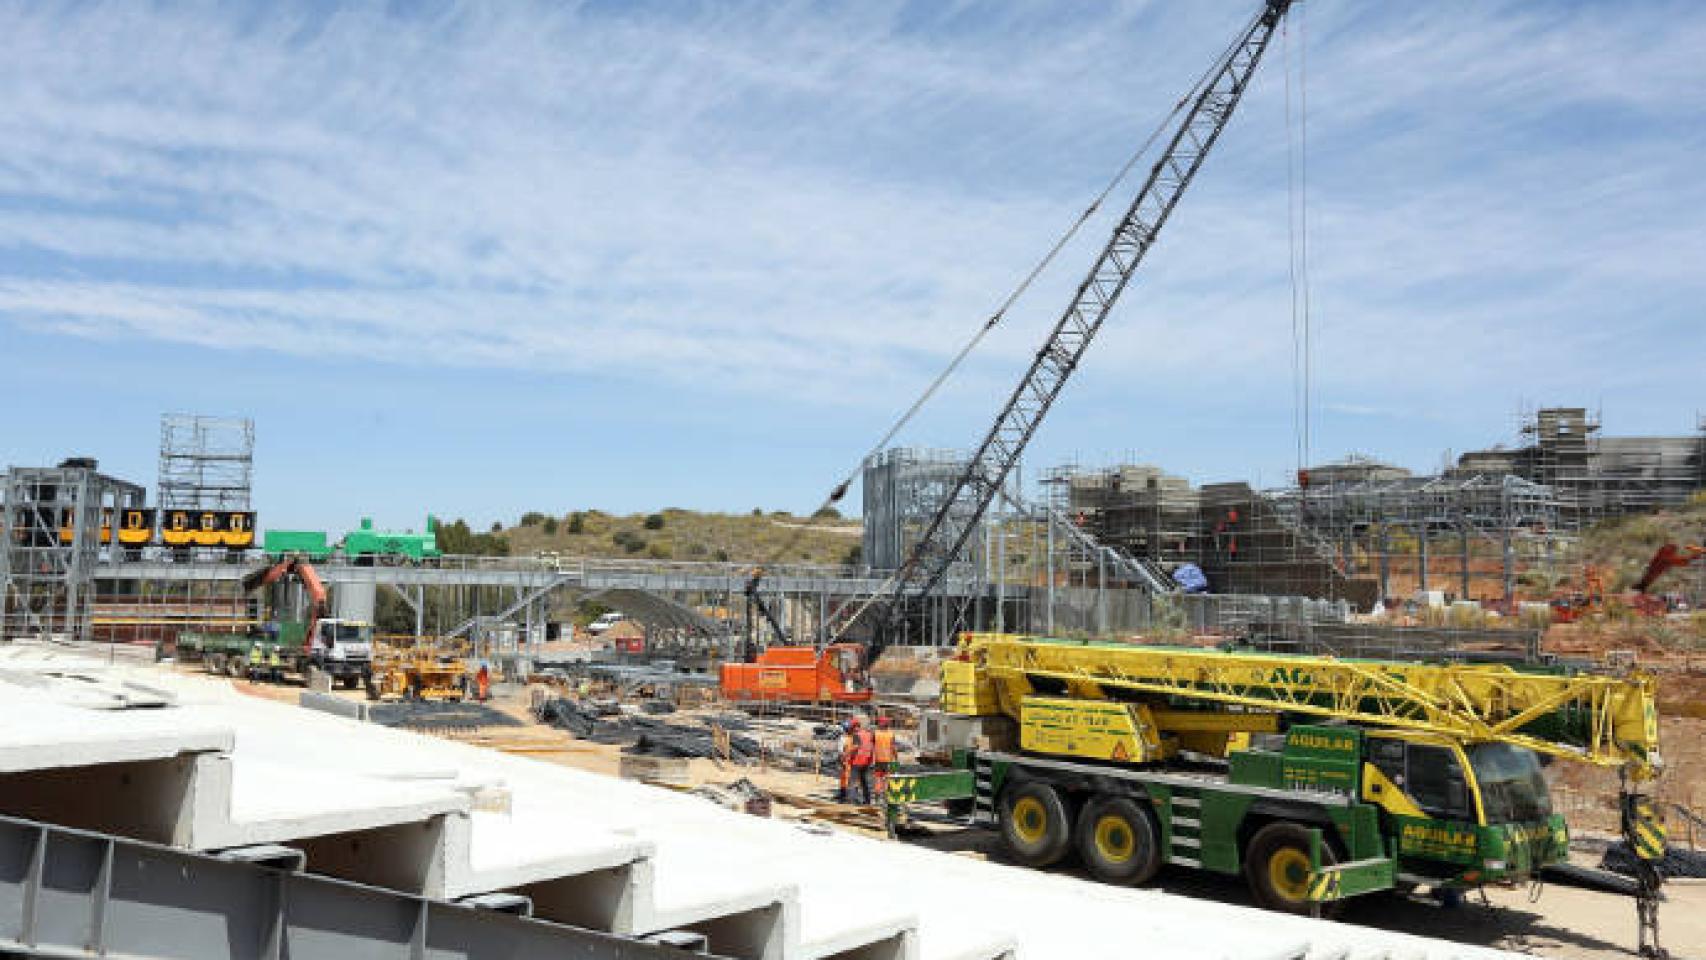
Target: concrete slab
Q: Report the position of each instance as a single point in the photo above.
(38, 733)
(391, 807)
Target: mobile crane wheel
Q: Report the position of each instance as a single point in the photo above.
(1119, 841)
(1035, 823)
(1276, 864)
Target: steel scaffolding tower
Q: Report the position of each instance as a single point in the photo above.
(206, 463)
(54, 523)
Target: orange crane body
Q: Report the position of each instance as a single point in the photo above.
(834, 674)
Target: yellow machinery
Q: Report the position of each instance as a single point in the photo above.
(419, 668)
(1388, 773)
(1605, 720)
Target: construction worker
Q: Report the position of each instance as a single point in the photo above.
(275, 666)
(864, 755)
(846, 761)
(883, 755)
(256, 661)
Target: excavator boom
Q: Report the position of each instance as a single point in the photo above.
(304, 571)
(1669, 557)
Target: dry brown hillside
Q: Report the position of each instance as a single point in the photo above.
(673, 534)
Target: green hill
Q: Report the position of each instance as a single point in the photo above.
(688, 535)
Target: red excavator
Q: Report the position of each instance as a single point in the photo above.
(1668, 558)
(1571, 606)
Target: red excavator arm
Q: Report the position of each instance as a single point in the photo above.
(1669, 557)
(303, 571)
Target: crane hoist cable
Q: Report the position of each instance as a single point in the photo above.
(756, 574)
(1297, 236)
(957, 517)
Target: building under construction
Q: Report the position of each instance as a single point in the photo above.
(1360, 530)
(1596, 476)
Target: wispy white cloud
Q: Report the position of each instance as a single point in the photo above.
(786, 197)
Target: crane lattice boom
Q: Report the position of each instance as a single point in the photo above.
(1600, 719)
(982, 479)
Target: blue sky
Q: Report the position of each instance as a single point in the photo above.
(486, 258)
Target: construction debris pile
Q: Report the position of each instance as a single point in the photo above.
(736, 737)
(438, 716)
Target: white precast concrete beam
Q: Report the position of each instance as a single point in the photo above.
(764, 888)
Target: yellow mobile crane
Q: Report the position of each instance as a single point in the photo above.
(1317, 778)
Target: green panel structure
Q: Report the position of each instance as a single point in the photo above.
(313, 544)
(365, 541)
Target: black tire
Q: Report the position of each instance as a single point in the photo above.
(1118, 840)
(1276, 865)
(1035, 823)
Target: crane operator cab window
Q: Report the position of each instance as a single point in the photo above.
(1431, 776)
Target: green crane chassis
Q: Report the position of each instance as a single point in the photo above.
(1298, 823)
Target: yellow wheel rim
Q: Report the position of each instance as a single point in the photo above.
(1115, 840)
(1030, 820)
(1288, 873)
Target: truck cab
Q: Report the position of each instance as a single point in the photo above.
(343, 641)
(1463, 813)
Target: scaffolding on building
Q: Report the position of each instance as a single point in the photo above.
(54, 525)
(903, 488)
(206, 463)
(1595, 476)
(1358, 531)
(1468, 535)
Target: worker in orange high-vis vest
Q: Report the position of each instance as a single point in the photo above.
(883, 755)
(864, 755)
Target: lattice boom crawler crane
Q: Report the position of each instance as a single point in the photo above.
(1316, 778)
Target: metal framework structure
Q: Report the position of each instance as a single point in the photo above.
(1600, 719)
(986, 472)
(1360, 531)
(1597, 476)
(1478, 527)
(74, 893)
(206, 463)
(52, 529)
(903, 489)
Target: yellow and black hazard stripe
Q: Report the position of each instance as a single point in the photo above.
(1324, 886)
(1645, 828)
(902, 789)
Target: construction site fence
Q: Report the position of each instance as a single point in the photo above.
(1392, 642)
(1114, 611)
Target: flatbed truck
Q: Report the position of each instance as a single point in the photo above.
(342, 650)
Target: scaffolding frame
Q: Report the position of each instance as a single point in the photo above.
(206, 463)
(1357, 530)
(52, 524)
(1597, 477)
